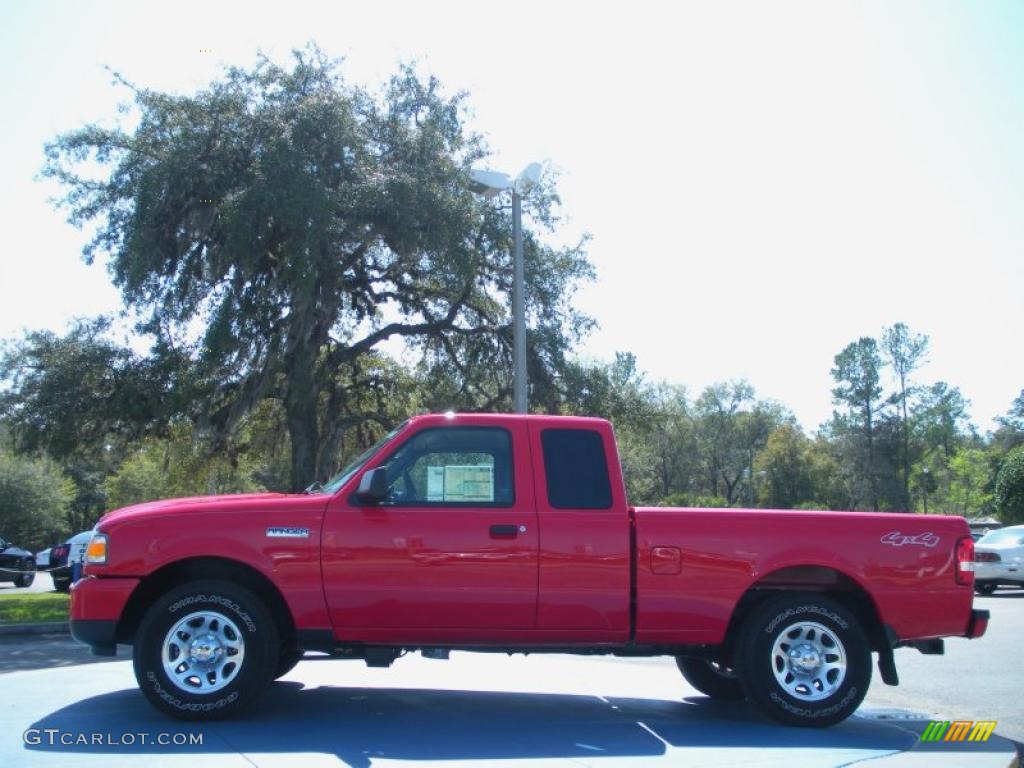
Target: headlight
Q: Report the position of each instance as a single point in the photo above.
(96, 552)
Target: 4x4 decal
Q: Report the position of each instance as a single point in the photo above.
(897, 539)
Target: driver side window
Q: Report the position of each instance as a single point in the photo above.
(453, 466)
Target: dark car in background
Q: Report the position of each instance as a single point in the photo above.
(16, 565)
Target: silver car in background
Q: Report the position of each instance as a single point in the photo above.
(999, 560)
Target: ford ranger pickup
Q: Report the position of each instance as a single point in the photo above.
(511, 533)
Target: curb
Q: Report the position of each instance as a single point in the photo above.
(39, 628)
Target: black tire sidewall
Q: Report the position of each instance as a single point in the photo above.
(27, 576)
(754, 666)
(701, 675)
(259, 634)
(287, 660)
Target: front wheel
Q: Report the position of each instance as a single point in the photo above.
(710, 678)
(985, 587)
(26, 578)
(804, 660)
(205, 650)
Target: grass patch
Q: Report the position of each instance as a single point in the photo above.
(32, 608)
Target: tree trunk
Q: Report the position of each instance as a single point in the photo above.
(300, 414)
(302, 430)
(872, 480)
(906, 443)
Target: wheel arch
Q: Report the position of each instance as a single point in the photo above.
(180, 572)
(824, 579)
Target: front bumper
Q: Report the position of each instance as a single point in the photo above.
(99, 634)
(97, 605)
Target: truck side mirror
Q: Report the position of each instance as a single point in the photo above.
(373, 486)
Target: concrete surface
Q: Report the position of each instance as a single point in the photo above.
(41, 583)
(44, 651)
(537, 711)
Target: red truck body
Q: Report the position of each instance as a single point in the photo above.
(344, 576)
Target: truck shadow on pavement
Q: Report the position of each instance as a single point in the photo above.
(359, 725)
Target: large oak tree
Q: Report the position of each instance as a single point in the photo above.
(283, 224)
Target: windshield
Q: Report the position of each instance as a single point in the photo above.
(1010, 536)
(336, 482)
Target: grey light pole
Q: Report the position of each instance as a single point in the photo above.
(518, 307)
(925, 486)
(489, 184)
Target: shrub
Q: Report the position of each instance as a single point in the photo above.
(687, 500)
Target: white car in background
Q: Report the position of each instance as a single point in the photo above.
(64, 557)
(999, 560)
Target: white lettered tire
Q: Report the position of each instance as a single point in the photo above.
(205, 650)
(804, 660)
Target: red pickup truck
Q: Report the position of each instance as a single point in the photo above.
(512, 533)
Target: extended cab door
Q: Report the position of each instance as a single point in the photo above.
(585, 545)
(454, 545)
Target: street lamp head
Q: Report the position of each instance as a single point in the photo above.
(491, 183)
(528, 177)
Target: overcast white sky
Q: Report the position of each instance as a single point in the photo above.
(764, 182)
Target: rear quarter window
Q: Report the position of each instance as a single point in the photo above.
(576, 469)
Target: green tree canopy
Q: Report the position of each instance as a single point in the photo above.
(1011, 426)
(858, 393)
(786, 467)
(1010, 488)
(941, 420)
(34, 500)
(179, 465)
(905, 352)
(83, 399)
(299, 222)
(71, 395)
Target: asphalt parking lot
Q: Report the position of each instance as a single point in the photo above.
(537, 711)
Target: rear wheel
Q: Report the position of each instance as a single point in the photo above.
(804, 660)
(985, 587)
(205, 650)
(710, 678)
(286, 661)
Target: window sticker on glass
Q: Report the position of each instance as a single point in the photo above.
(435, 483)
(461, 483)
